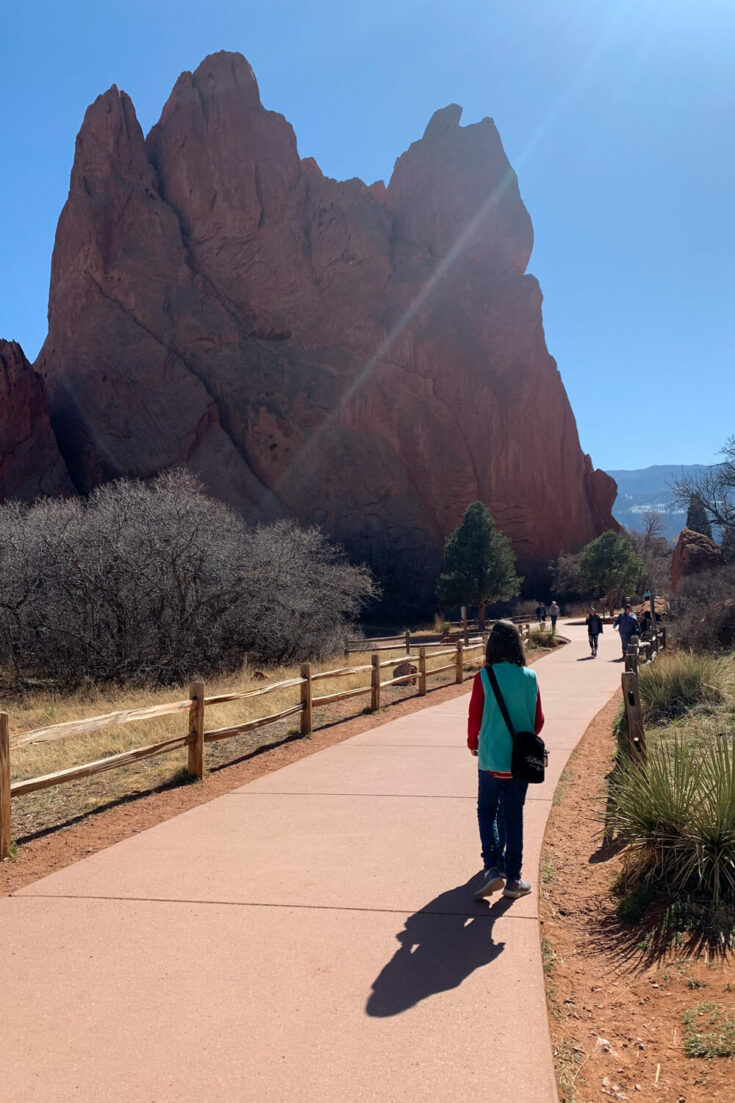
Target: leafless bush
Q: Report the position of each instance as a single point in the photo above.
(155, 581)
(703, 608)
(655, 551)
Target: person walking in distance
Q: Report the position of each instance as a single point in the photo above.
(500, 795)
(541, 613)
(553, 613)
(627, 624)
(594, 630)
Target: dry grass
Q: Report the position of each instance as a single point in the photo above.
(49, 808)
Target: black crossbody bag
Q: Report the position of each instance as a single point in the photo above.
(530, 757)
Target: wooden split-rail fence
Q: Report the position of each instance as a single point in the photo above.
(643, 650)
(194, 709)
(632, 737)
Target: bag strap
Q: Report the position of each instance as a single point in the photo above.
(499, 699)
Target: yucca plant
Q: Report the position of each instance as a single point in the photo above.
(677, 811)
(679, 681)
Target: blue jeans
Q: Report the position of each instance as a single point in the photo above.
(501, 799)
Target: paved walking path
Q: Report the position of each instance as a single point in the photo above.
(310, 937)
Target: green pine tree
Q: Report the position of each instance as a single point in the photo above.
(479, 564)
(610, 564)
(697, 518)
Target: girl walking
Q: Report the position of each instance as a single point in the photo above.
(500, 795)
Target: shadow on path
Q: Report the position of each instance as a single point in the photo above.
(438, 950)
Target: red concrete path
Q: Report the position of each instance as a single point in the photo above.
(309, 937)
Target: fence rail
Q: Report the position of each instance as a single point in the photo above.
(197, 736)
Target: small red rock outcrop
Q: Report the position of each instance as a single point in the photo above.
(30, 463)
(371, 359)
(693, 553)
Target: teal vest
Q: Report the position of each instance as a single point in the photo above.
(520, 690)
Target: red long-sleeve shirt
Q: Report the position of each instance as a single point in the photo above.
(477, 705)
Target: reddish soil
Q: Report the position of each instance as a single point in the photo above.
(615, 1001)
(58, 848)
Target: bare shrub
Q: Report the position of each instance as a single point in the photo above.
(155, 581)
(655, 551)
(702, 609)
(299, 593)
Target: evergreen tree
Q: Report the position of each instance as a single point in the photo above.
(610, 564)
(479, 564)
(697, 518)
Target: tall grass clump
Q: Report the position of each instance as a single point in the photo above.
(680, 681)
(677, 812)
(539, 637)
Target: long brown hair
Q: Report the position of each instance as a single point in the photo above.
(504, 645)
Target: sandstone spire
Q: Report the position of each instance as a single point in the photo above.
(370, 359)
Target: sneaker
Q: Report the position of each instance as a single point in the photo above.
(514, 889)
(491, 882)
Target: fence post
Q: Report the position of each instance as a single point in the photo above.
(306, 708)
(633, 716)
(662, 631)
(375, 683)
(631, 658)
(408, 641)
(460, 662)
(4, 787)
(422, 672)
(195, 765)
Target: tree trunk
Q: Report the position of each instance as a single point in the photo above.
(481, 615)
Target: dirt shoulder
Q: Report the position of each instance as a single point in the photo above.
(615, 1008)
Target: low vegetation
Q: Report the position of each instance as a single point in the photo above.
(676, 809)
(678, 814)
(540, 638)
(709, 1030)
(680, 681)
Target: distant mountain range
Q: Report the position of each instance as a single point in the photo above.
(650, 488)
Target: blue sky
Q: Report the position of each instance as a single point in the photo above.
(616, 114)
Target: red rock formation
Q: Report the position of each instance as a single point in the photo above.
(30, 462)
(693, 553)
(370, 359)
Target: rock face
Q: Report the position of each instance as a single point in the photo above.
(693, 553)
(371, 359)
(30, 462)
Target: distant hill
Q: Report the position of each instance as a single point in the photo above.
(649, 488)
